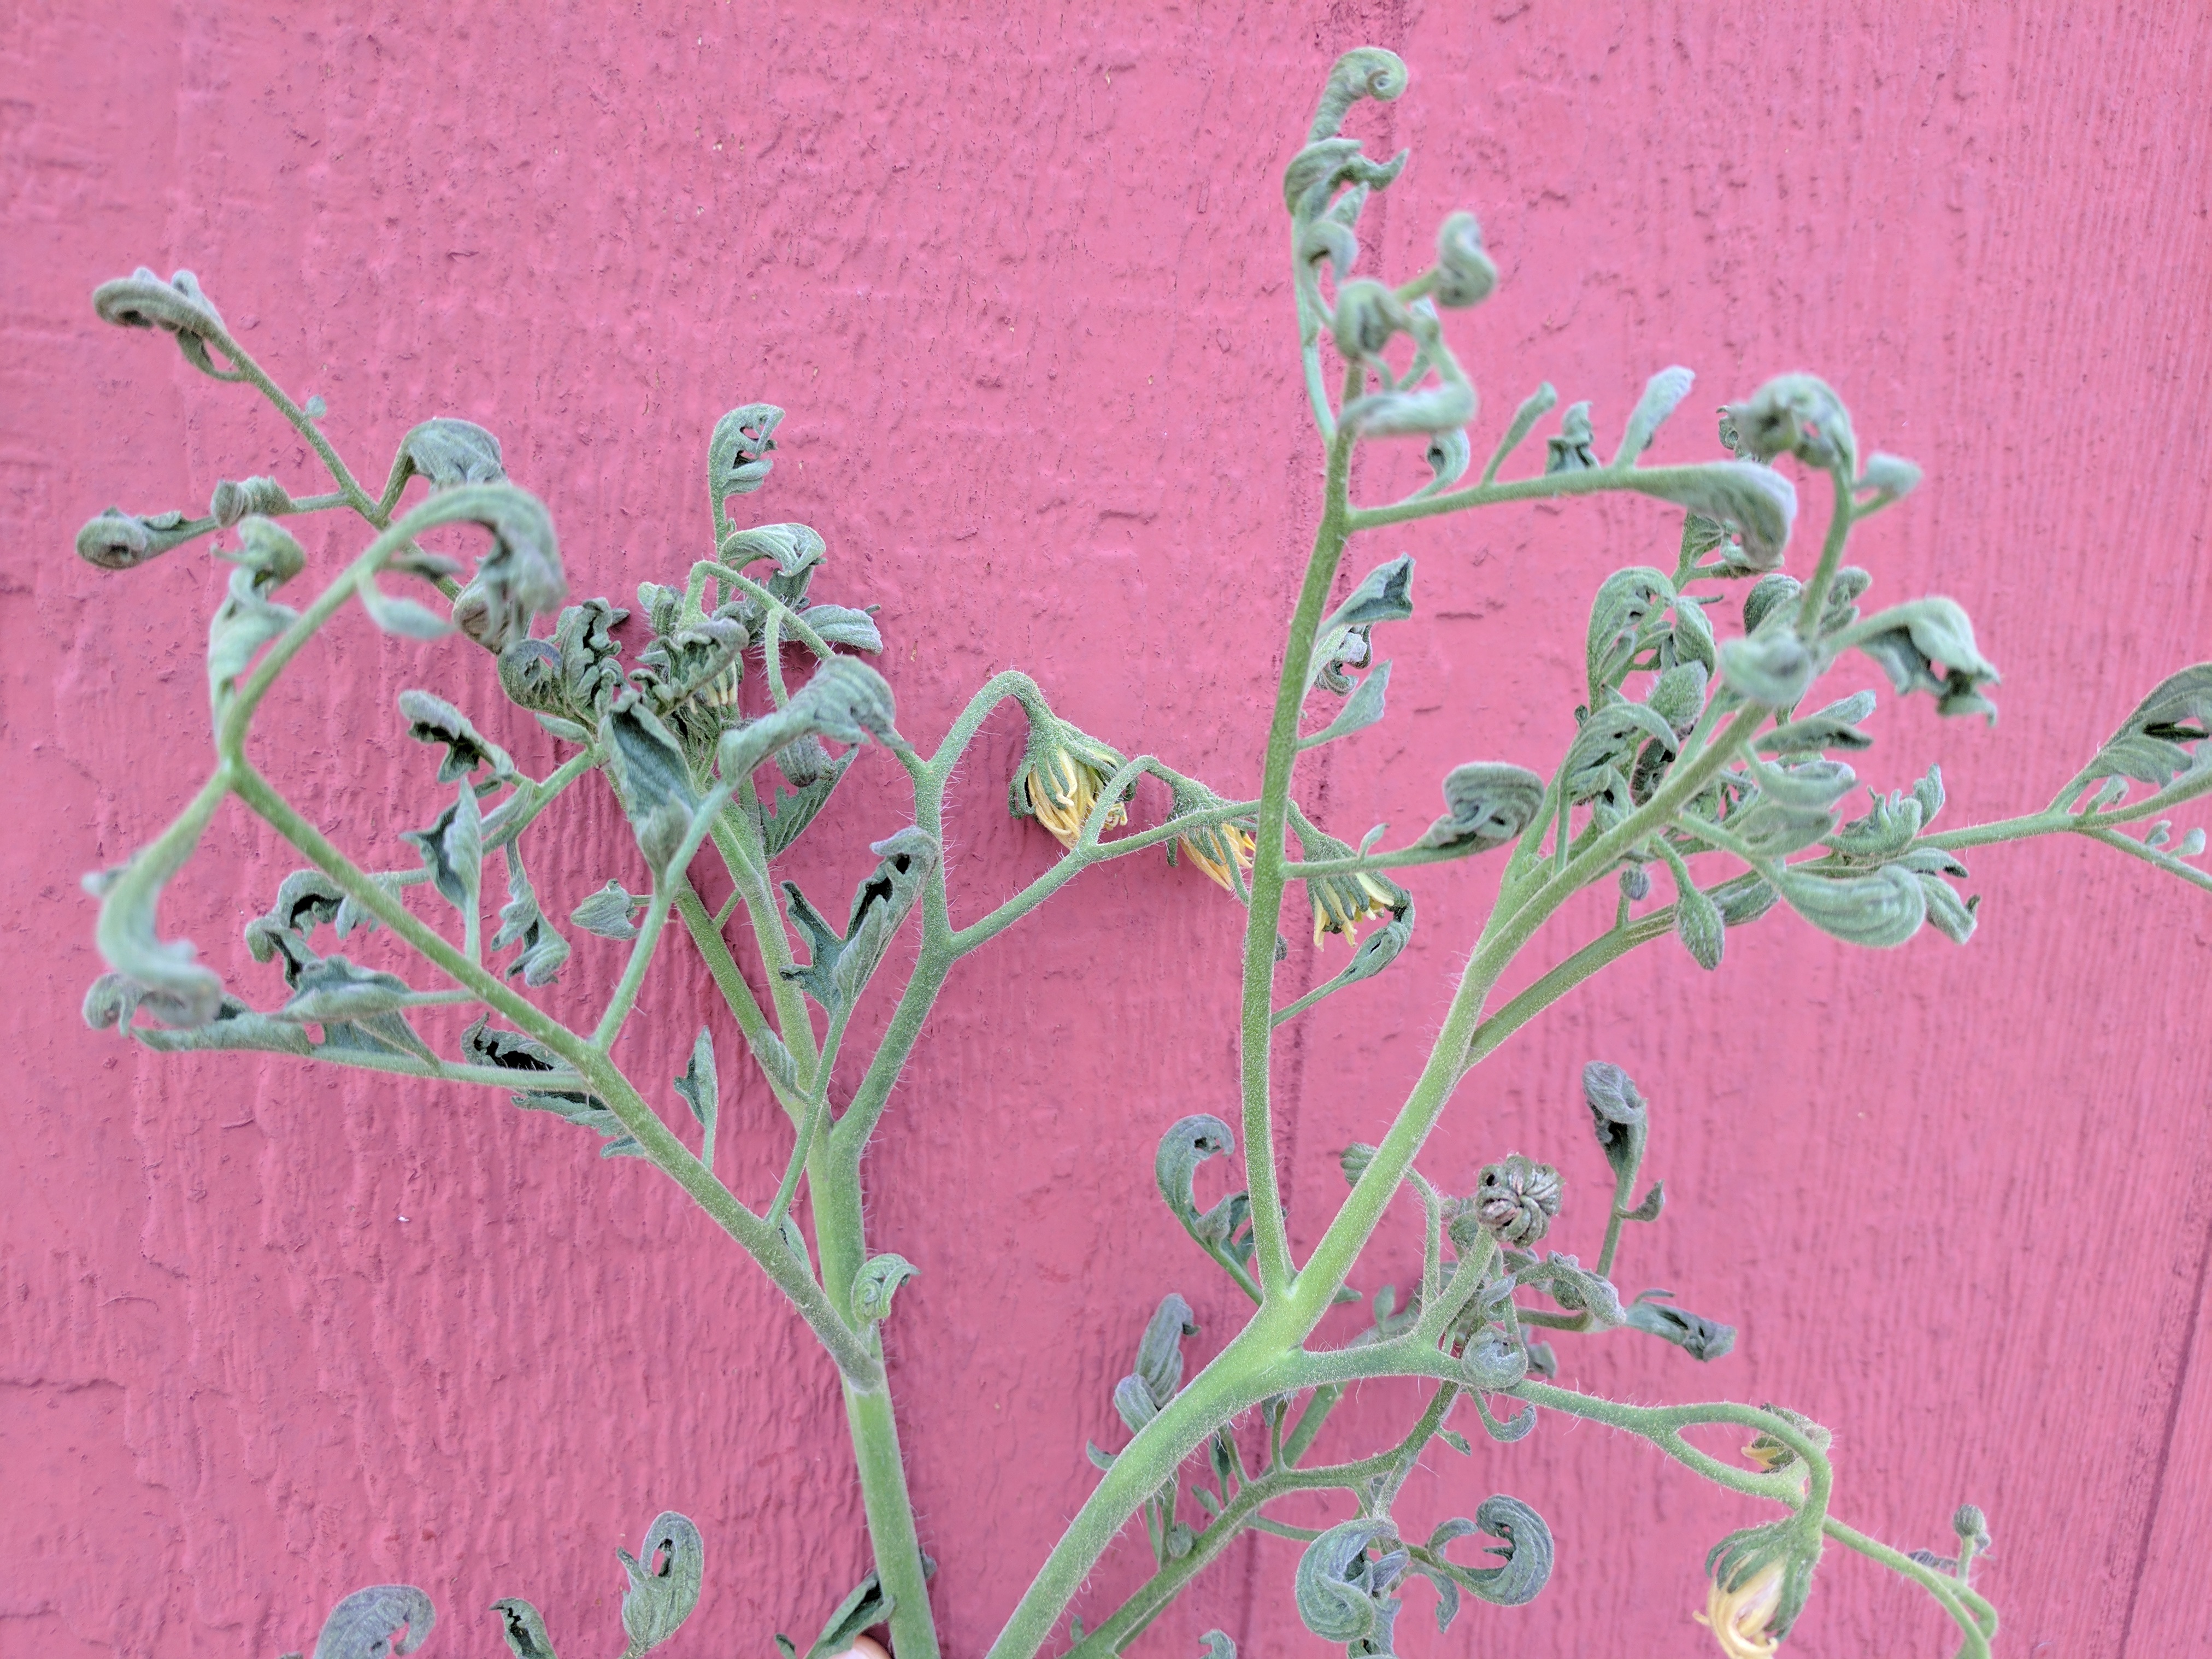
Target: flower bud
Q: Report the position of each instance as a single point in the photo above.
(1517, 1199)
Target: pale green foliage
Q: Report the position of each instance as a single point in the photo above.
(1689, 752)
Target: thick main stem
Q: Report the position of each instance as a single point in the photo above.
(1270, 1239)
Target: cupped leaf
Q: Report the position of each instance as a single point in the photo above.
(1836, 727)
(664, 1585)
(1384, 594)
(1619, 1114)
(1882, 909)
(524, 1627)
(1799, 414)
(1361, 709)
(333, 990)
(646, 766)
(452, 850)
(698, 1086)
(524, 927)
(607, 911)
(1700, 1337)
(1624, 602)
(1909, 639)
(2157, 743)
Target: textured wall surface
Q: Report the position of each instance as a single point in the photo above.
(1017, 272)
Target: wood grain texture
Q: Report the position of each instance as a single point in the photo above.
(1016, 271)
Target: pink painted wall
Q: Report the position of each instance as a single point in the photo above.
(267, 1333)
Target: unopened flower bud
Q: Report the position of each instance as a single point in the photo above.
(1517, 1199)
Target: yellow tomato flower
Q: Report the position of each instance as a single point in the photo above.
(1063, 791)
(1341, 904)
(1740, 1618)
(1218, 847)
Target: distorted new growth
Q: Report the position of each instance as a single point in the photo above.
(1707, 784)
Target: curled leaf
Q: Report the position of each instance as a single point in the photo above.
(1662, 392)
(1888, 476)
(1465, 273)
(363, 1626)
(1754, 500)
(247, 619)
(1336, 1588)
(1159, 1350)
(1525, 1544)
(518, 577)
(1698, 925)
(234, 501)
(450, 452)
(1799, 414)
(1363, 72)
(1569, 450)
(1188, 1144)
(1487, 804)
(739, 459)
(117, 540)
(179, 306)
(431, 719)
(1774, 669)
(876, 1283)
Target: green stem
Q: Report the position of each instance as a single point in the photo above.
(1270, 1237)
(890, 1510)
(744, 1007)
(810, 1126)
(659, 1144)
